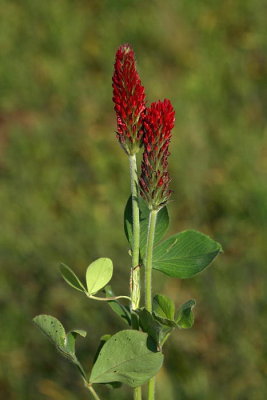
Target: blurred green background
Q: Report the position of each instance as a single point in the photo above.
(64, 184)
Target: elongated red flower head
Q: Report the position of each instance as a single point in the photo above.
(129, 99)
(154, 180)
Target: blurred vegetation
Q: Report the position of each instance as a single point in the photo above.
(64, 183)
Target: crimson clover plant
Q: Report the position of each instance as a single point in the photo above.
(134, 356)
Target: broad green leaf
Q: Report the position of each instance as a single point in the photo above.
(122, 311)
(103, 340)
(163, 307)
(64, 343)
(71, 278)
(128, 357)
(185, 316)
(98, 275)
(185, 254)
(161, 225)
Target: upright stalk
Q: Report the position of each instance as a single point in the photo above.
(149, 256)
(138, 393)
(148, 282)
(135, 270)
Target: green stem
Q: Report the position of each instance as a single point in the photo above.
(92, 390)
(149, 256)
(135, 270)
(138, 393)
(151, 388)
(164, 340)
(108, 298)
(148, 282)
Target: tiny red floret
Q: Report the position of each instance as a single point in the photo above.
(154, 180)
(129, 99)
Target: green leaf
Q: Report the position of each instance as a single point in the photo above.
(151, 326)
(71, 278)
(185, 316)
(161, 225)
(185, 254)
(98, 275)
(64, 343)
(128, 357)
(53, 329)
(163, 307)
(70, 340)
(79, 332)
(122, 311)
(103, 340)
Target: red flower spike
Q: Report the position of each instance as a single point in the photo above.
(129, 99)
(154, 180)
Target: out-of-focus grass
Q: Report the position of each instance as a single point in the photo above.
(64, 182)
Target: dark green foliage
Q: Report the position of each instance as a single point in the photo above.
(154, 328)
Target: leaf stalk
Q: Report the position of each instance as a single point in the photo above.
(93, 392)
(108, 298)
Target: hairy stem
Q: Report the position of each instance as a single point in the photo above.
(135, 270)
(138, 393)
(148, 260)
(148, 281)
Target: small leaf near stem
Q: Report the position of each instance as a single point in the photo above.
(98, 274)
